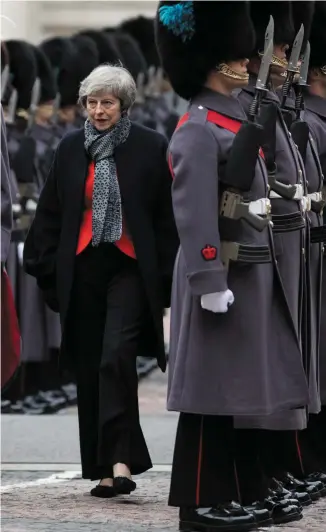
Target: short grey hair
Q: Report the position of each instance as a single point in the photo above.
(112, 79)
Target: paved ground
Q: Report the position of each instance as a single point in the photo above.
(42, 490)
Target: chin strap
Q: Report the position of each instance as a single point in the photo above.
(224, 69)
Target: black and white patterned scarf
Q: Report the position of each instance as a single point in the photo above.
(107, 211)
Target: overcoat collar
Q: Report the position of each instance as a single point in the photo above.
(215, 101)
(316, 104)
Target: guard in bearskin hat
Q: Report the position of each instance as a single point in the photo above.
(312, 440)
(227, 302)
(277, 446)
(65, 61)
(299, 463)
(162, 107)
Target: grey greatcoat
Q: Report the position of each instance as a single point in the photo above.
(291, 259)
(6, 202)
(315, 115)
(247, 361)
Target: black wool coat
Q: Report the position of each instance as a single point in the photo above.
(145, 185)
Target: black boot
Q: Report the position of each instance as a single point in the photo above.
(314, 489)
(279, 492)
(279, 512)
(5, 406)
(229, 517)
(318, 477)
(261, 513)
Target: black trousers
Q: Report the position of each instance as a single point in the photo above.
(108, 306)
(280, 452)
(213, 463)
(313, 443)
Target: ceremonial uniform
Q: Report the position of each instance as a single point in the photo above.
(287, 215)
(245, 359)
(312, 440)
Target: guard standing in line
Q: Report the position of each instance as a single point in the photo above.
(277, 433)
(312, 440)
(224, 360)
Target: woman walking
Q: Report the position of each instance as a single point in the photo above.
(102, 247)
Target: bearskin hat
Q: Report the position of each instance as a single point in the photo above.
(45, 75)
(63, 55)
(23, 69)
(303, 13)
(88, 56)
(142, 30)
(107, 50)
(283, 21)
(318, 36)
(131, 54)
(194, 37)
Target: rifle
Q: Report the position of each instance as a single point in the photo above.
(244, 152)
(299, 128)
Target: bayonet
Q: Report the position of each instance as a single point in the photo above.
(296, 51)
(263, 73)
(36, 93)
(56, 107)
(299, 128)
(292, 67)
(4, 80)
(266, 57)
(140, 98)
(12, 106)
(150, 87)
(304, 67)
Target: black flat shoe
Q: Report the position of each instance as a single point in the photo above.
(123, 485)
(104, 492)
(224, 518)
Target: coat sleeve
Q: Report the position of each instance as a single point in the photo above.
(6, 202)
(193, 160)
(166, 235)
(43, 237)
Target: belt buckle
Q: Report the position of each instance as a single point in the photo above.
(299, 192)
(268, 207)
(264, 206)
(306, 203)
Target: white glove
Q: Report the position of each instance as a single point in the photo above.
(20, 252)
(218, 302)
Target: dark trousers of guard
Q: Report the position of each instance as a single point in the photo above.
(105, 318)
(313, 443)
(214, 464)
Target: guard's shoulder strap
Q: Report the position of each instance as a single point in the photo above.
(216, 118)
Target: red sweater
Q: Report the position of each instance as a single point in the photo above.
(85, 233)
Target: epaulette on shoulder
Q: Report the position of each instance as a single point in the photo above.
(196, 113)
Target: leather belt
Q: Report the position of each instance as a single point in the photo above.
(299, 194)
(312, 202)
(286, 223)
(318, 235)
(232, 251)
(256, 213)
